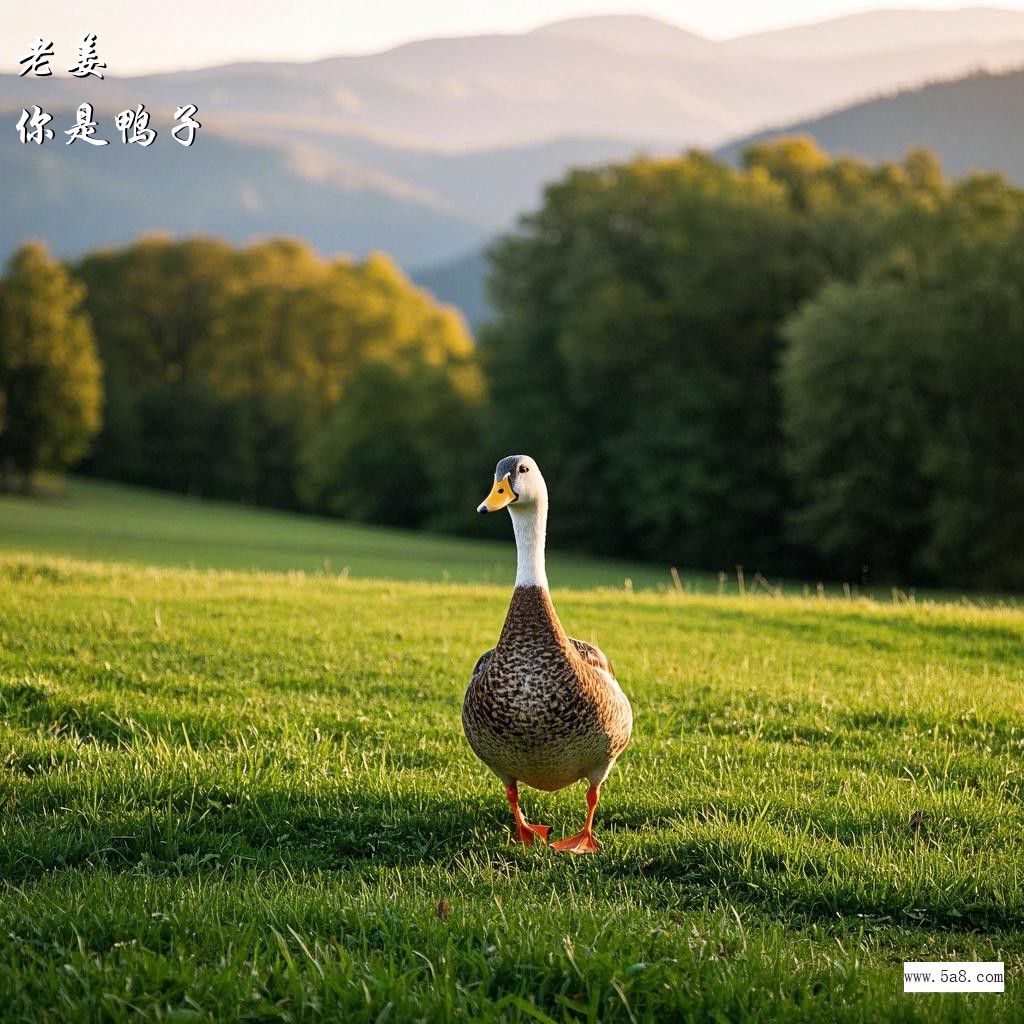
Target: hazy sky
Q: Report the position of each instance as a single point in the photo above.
(151, 35)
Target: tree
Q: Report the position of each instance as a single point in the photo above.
(225, 364)
(389, 453)
(858, 410)
(50, 388)
(157, 307)
(637, 339)
(974, 456)
(902, 402)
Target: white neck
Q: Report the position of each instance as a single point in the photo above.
(530, 525)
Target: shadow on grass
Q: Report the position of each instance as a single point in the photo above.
(358, 832)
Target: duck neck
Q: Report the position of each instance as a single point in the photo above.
(530, 526)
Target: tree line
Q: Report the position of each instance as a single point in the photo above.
(263, 374)
(804, 365)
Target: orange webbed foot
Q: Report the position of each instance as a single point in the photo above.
(582, 843)
(527, 833)
(524, 832)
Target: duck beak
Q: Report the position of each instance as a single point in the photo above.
(500, 496)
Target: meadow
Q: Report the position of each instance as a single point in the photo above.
(103, 521)
(245, 795)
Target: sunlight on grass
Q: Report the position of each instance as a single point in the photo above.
(96, 520)
(243, 796)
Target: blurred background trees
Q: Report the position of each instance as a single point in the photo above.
(640, 331)
(804, 365)
(226, 367)
(903, 402)
(50, 395)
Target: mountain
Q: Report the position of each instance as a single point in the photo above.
(631, 33)
(341, 193)
(460, 283)
(429, 149)
(629, 78)
(969, 124)
(885, 32)
(78, 198)
(964, 122)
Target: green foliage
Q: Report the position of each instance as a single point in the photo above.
(225, 367)
(389, 451)
(156, 305)
(50, 390)
(975, 455)
(638, 338)
(191, 441)
(858, 413)
(777, 366)
(903, 402)
(248, 797)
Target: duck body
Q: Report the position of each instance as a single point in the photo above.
(541, 707)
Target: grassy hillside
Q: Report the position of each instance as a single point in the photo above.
(95, 520)
(247, 797)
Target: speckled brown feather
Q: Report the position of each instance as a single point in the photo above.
(543, 708)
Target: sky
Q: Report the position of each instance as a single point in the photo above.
(137, 36)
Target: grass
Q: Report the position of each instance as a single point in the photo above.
(243, 796)
(95, 520)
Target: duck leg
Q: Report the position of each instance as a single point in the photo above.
(524, 830)
(584, 842)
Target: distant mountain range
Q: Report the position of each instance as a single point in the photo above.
(341, 194)
(430, 149)
(629, 78)
(461, 283)
(969, 124)
(972, 124)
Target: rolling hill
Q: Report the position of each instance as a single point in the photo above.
(885, 32)
(970, 124)
(461, 283)
(342, 194)
(78, 199)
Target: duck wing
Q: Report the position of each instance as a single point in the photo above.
(590, 654)
(481, 663)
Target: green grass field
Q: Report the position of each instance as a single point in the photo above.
(246, 796)
(94, 520)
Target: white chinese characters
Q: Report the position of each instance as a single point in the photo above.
(136, 122)
(88, 62)
(37, 60)
(32, 127)
(188, 124)
(132, 124)
(85, 127)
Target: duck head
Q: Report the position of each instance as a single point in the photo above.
(518, 485)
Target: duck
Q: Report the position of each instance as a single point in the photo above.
(542, 708)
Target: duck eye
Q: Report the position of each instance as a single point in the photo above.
(524, 469)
